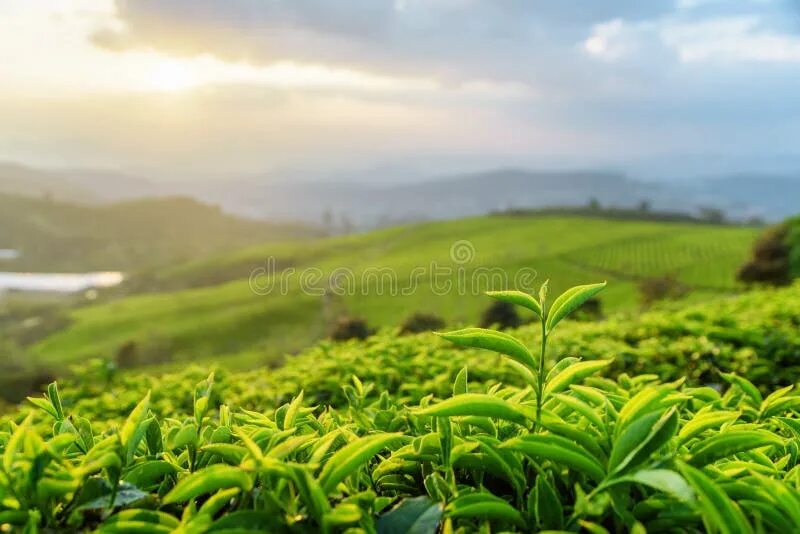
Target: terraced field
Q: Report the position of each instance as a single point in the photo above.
(692, 255)
(215, 313)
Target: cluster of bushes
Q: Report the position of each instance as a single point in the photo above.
(498, 314)
(347, 328)
(399, 431)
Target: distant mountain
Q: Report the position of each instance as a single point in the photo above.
(24, 181)
(438, 198)
(84, 186)
(128, 236)
(769, 197)
(364, 201)
(110, 186)
(365, 205)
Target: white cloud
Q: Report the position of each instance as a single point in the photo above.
(722, 39)
(730, 39)
(605, 41)
(207, 83)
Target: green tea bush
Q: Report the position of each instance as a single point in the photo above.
(775, 258)
(667, 287)
(421, 322)
(350, 328)
(500, 315)
(412, 435)
(769, 261)
(591, 310)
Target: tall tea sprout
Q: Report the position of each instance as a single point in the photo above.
(530, 367)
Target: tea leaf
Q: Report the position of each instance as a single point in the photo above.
(558, 450)
(719, 512)
(664, 480)
(570, 301)
(641, 439)
(460, 383)
(484, 506)
(208, 480)
(492, 340)
(518, 298)
(418, 515)
(482, 405)
(352, 456)
(549, 512)
(574, 373)
(728, 443)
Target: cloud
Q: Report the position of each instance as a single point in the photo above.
(259, 83)
(709, 31)
(456, 39)
(610, 40)
(734, 39)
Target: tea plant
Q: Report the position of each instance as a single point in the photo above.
(532, 369)
(422, 446)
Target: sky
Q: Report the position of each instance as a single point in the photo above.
(190, 87)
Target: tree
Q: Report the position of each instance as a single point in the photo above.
(712, 215)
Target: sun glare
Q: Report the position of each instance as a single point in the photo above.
(172, 76)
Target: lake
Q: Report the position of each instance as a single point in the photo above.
(58, 282)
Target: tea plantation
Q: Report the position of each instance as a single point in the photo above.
(206, 309)
(679, 421)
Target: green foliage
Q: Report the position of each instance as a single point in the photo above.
(667, 287)
(249, 330)
(769, 261)
(775, 258)
(793, 242)
(430, 438)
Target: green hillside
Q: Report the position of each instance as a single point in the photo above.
(126, 236)
(229, 321)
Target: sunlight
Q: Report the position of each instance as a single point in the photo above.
(171, 76)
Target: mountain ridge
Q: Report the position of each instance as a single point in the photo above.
(353, 203)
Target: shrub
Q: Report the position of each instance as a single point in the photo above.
(350, 328)
(769, 261)
(501, 315)
(421, 322)
(127, 355)
(426, 444)
(591, 310)
(793, 241)
(667, 287)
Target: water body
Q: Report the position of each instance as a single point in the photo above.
(58, 282)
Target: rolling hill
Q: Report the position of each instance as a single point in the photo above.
(230, 322)
(126, 236)
(81, 186)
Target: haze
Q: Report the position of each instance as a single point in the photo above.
(180, 88)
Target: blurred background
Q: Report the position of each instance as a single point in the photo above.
(154, 155)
